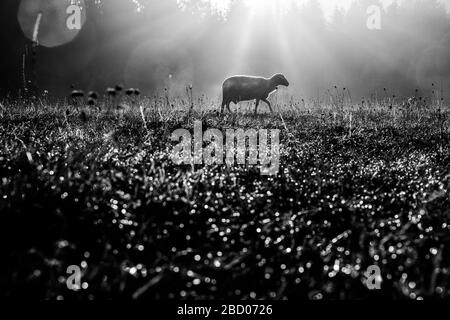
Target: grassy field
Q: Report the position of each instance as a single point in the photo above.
(357, 186)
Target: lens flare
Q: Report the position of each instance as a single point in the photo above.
(51, 23)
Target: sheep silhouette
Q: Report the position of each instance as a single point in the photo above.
(246, 88)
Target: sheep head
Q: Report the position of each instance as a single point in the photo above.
(279, 80)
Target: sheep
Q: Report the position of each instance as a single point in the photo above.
(245, 88)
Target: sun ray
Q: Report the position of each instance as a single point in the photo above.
(241, 48)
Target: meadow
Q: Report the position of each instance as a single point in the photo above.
(359, 185)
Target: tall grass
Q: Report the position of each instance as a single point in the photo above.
(358, 184)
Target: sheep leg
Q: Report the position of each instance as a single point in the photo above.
(256, 106)
(268, 103)
(228, 107)
(223, 105)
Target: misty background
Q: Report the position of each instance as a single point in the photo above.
(157, 44)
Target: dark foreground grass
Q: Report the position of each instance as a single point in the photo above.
(99, 190)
